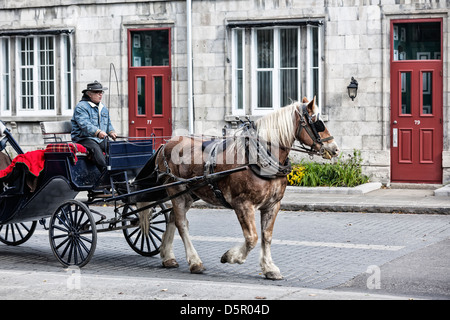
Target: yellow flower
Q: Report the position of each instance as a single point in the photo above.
(296, 175)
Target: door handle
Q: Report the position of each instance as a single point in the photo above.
(395, 137)
(132, 121)
(395, 121)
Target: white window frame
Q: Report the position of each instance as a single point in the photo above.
(299, 66)
(305, 77)
(310, 67)
(36, 109)
(67, 74)
(61, 89)
(276, 92)
(238, 111)
(5, 77)
(274, 70)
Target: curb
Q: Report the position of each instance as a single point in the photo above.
(364, 208)
(361, 189)
(443, 192)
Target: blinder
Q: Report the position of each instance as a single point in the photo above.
(313, 127)
(319, 126)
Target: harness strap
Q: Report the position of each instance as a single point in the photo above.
(311, 130)
(210, 164)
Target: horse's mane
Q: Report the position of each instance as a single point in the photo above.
(278, 127)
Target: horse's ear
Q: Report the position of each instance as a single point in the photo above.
(305, 100)
(311, 104)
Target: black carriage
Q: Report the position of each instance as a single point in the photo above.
(50, 198)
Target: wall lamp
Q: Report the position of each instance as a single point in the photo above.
(353, 89)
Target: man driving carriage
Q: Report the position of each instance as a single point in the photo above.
(91, 123)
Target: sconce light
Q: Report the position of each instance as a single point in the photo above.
(352, 89)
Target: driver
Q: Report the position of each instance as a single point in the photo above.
(91, 123)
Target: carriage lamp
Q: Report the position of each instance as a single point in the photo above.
(353, 89)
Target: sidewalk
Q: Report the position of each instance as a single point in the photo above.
(370, 197)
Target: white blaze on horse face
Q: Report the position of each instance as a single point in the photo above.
(330, 149)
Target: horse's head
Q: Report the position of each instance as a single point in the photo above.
(312, 132)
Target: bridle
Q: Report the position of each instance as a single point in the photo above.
(312, 128)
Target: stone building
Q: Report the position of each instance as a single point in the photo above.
(248, 57)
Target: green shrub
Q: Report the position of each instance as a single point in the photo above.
(342, 173)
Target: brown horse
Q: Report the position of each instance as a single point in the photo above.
(244, 191)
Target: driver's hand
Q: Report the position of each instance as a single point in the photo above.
(102, 134)
(113, 135)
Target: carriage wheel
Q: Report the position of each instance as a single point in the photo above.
(72, 232)
(146, 244)
(17, 233)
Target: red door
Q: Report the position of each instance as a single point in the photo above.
(416, 105)
(149, 84)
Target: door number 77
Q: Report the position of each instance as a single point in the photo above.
(416, 122)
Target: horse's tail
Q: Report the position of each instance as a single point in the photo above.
(144, 217)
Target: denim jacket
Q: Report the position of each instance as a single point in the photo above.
(86, 122)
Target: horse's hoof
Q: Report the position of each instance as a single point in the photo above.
(171, 263)
(224, 258)
(229, 257)
(273, 276)
(197, 268)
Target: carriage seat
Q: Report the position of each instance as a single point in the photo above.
(53, 132)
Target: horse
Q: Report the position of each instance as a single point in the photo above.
(245, 191)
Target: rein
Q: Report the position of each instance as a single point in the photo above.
(306, 123)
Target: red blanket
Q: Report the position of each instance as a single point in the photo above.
(75, 148)
(34, 160)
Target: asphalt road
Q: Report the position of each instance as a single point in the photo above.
(321, 256)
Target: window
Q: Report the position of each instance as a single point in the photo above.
(238, 72)
(284, 66)
(5, 77)
(150, 48)
(66, 74)
(417, 41)
(313, 81)
(38, 61)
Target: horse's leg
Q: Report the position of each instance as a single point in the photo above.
(269, 269)
(246, 218)
(180, 206)
(166, 249)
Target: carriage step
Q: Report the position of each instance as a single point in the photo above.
(103, 217)
(93, 194)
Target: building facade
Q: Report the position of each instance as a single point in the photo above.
(179, 67)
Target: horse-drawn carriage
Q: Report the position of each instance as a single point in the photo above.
(245, 172)
(63, 170)
(43, 185)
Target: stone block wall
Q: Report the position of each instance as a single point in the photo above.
(355, 44)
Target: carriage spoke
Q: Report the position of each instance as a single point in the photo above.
(79, 247)
(138, 236)
(134, 232)
(157, 229)
(17, 233)
(152, 239)
(63, 222)
(73, 236)
(71, 252)
(145, 243)
(67, 244)
(155, 234)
